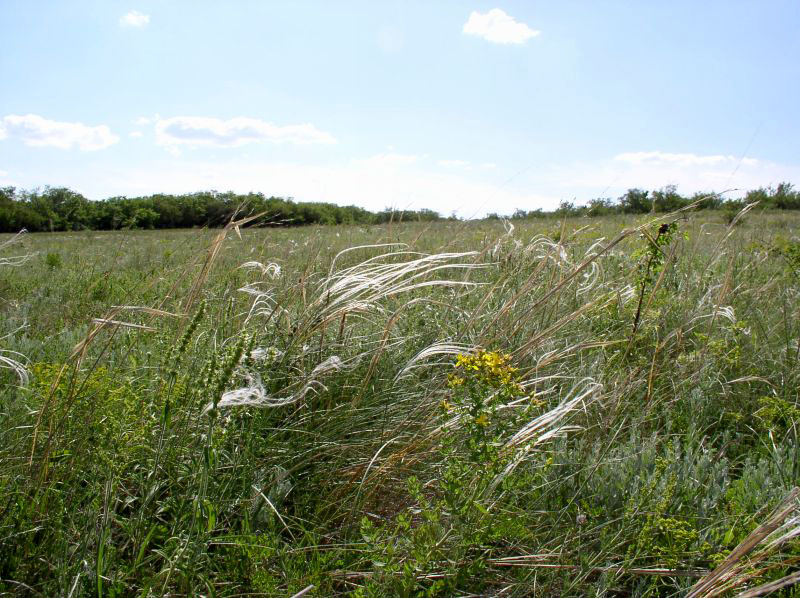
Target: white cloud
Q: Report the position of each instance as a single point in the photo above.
(488, 165)
(666, 158)
(145, 120)
(655, 169)
(3, 173)
(134, 19)
(453, 163)
(197, 131)
(388, 160)
(35, 131)
(498, 27)
(136, 133)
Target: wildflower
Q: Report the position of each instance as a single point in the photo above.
(453, 380)
(482, 420)
(490, 367)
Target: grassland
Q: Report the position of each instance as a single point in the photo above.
(579, 407)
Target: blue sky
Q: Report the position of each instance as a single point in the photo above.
(450, 105)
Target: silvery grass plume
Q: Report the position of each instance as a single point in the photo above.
(509, 235)
(542, 247)
(14, 260)
(362, 288)
(626, 293)
(254, 394)
(272, 269)
(542, 428)
(356, 289)
(16, 366)
(592, 276)
(547, 426)
(725, 311)
(13, 360)
(373, 279)
(434, 350)
(720, 312)
(263, 304)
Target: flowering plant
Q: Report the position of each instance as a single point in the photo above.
(482, 384)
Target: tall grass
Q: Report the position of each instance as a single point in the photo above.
(261, 411)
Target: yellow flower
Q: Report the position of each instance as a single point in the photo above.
(453, 380)
(482, 420)
(488, 367)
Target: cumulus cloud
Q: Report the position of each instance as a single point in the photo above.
(136, 133)
(498, 27)
(36, 131)
(134, 19)
(197, 131)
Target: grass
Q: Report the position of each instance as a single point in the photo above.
(588, 406)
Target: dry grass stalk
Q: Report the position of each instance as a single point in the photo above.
(106, 322)
(733, 571)
(769, 588)
(211, 256)
(538, 561)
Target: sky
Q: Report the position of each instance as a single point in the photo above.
(462, 107)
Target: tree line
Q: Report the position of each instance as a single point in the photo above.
(62, 209)
(668, 199)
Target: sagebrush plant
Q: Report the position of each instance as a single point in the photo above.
(446, 408)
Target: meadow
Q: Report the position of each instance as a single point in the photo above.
(562, 407)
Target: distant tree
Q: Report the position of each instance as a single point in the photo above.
(60, 208)
(600, 207)
(144, 218)
(785, 197)
(635, 201)
(567, 208)
(708, 200)
(760, 195)
(782, 197)
(667, 199)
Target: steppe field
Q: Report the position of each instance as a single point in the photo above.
(544, 407)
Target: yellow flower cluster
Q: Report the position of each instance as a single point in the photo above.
(490, 367)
